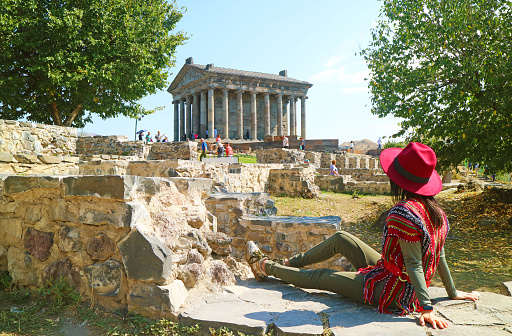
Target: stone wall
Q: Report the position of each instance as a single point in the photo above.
(126, 241)
(118, 145)
(234, 177)
(17, 137)
(280, 155)
(294, 182)
(38, 164)
(184, 150)
(112, 145)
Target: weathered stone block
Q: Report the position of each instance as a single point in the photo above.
(19, 184)
(19, 265)
(26, 158)
(62, 211)
(38, 243)
(62, 268)
(6, 157)
(221, 274)
(50, 159)
(145, 258)
(100, 247)
(161, 298)
(98, 186)
(219, 242)
(190, 274)
(69, 239)
(11, 229)
(106, 278)
(506, 288)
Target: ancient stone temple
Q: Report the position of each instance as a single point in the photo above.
(207, 97)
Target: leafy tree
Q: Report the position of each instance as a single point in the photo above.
(63, 60)
(445, 67)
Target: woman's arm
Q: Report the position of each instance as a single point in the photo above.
(444, 273)
(414, 267)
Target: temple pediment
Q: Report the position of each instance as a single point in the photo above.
(185, 76)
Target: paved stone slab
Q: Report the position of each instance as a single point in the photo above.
(251, 305)
(247, 317)
(298, 322)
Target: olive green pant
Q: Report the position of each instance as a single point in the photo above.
(347, 284)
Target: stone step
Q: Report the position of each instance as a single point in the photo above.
(253, 307)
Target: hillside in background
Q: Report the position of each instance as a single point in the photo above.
(364, 144)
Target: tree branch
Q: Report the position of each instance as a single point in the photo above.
(72, 116)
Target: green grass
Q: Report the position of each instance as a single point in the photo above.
(246, 158)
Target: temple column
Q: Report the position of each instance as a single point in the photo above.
(202, 115)
(176, 120)
(189, 116)
(240, 114)
(195, 114)
(211, 114)
(254, 119)
(303, 117)
(292, 116)
(267, 113)
(279, 114)
(225, 112)
(182, 118)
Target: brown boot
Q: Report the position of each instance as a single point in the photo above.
(254, 257)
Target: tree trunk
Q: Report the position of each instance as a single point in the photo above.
(69, 120)
(55, 114)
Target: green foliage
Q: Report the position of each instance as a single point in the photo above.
(5, 281)
(445, 67)
(393, 143)
(58, 294)
(62, 61)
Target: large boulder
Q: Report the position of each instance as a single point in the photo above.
(145, 258)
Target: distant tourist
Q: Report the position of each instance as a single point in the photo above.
(229, 150)
(217, 140)
(165, 139)
(158, 136)
(204, 149)
(220, 150)
(352, 146)
(379, 143)
(334, 169)
(215, 132)
(302, 144)
(286, 142)
(247, 134)
(148, 137)
(141, 136)
(207, 134)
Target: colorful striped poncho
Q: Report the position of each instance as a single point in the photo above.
(408, 221)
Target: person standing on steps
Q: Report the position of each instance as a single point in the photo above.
(286, 142)
(414, 234)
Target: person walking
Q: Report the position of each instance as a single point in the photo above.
(286, 142)
(204, 149)
(379, 143)
(352, 146)
(333, 170)
(415, 231)
(302, 144)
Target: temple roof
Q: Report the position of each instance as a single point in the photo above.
(226, 71)
(191, 72)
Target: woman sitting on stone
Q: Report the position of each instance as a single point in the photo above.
(412, 250)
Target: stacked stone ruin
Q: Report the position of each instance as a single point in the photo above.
(131, 224)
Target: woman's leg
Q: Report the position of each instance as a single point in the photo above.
(358, 253)
(347, 284)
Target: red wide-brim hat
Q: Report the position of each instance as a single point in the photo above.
(412, 168)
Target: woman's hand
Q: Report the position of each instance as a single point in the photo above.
(430, 317)
(464, 295)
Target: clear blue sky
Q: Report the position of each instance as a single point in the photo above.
(315, 41)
